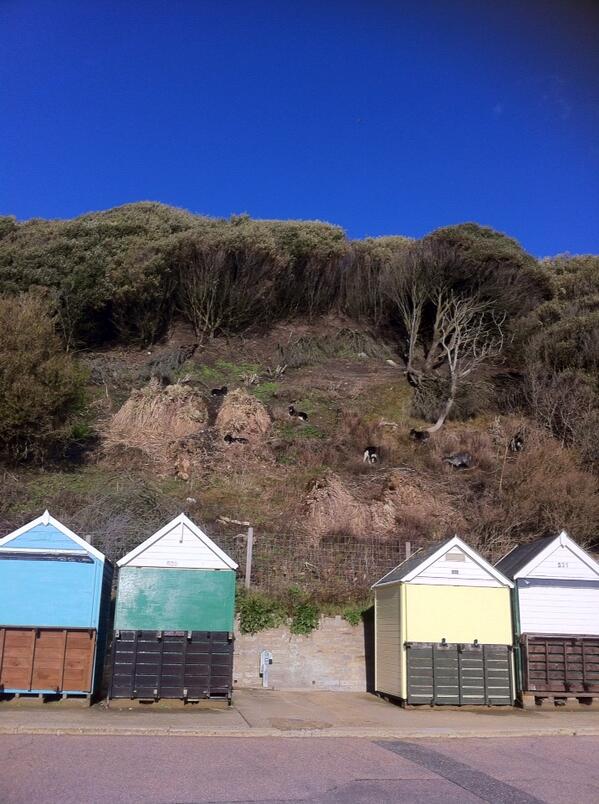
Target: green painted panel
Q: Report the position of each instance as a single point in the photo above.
(157, 599)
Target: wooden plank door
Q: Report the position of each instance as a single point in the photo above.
(48, 659)
(80, 652)
(17, 658)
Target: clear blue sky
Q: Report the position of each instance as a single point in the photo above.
(383, 117)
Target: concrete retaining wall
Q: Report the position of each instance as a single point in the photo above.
(333, 657)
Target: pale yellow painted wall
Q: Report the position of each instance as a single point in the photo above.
(458, 613)
(427, 613)
(388, 640)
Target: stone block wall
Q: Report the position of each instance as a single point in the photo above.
(333, 657)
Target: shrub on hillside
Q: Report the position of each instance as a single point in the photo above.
(536, 493)
(243, 273)
(560, 344)
(40, 385)
(107, 272)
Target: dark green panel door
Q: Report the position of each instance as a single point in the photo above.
(420, 673)
(459, 675)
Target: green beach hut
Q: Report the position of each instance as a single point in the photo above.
(175, 607)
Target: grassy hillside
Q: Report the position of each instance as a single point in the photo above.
(132, 316)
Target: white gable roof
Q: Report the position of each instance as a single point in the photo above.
(453, 563)
(561, 559)
(180, 544)
(46, 519)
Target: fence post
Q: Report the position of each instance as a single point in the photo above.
(248, 558)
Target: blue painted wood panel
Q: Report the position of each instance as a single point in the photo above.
(44, 593)
(44, 537)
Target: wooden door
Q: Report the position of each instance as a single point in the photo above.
(560, 664)
(458, 675)
(16, 661)
(172, 664)
(46, 659)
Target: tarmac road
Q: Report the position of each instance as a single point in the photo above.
(81, 769)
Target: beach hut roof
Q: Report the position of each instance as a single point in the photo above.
(204, 552)
(527, 559)
(71, 543)
(425, 557)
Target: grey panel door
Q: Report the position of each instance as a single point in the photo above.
(458, 675)
(472, 675)
(498, 674)
(420, 673)
(446, 674)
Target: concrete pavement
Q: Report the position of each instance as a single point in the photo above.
(269, 713)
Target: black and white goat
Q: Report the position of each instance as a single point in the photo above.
(517, 442)
(371, 455)
(297, 414)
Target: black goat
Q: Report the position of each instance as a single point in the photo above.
(371, 455)
(223, 391)
(421, 436)
(231, 439)
(297, 414)
(459, 460)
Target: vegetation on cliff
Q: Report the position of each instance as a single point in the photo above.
(462, 335)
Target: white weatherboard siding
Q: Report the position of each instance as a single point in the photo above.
(179, 547)
(562, 562)
(388, 640)
(558, 607)
(456, 568)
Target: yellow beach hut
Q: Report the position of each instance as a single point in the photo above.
(443, 629)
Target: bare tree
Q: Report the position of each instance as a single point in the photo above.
(468, 333)
(446, 334)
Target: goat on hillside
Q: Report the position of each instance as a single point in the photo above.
(459, 460)
(517, 442)
(297, 414)
(371, 455)
(231, 439)
(420, 436)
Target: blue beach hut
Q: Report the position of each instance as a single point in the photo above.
(54, 603)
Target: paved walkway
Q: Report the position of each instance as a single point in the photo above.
(267, 713)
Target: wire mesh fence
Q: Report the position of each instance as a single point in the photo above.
(334, 569)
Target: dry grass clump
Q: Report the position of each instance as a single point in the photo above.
(539, 492)
(406, 505)
(154, 419)
(241, 414)
(355, 433)
(462, 439)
